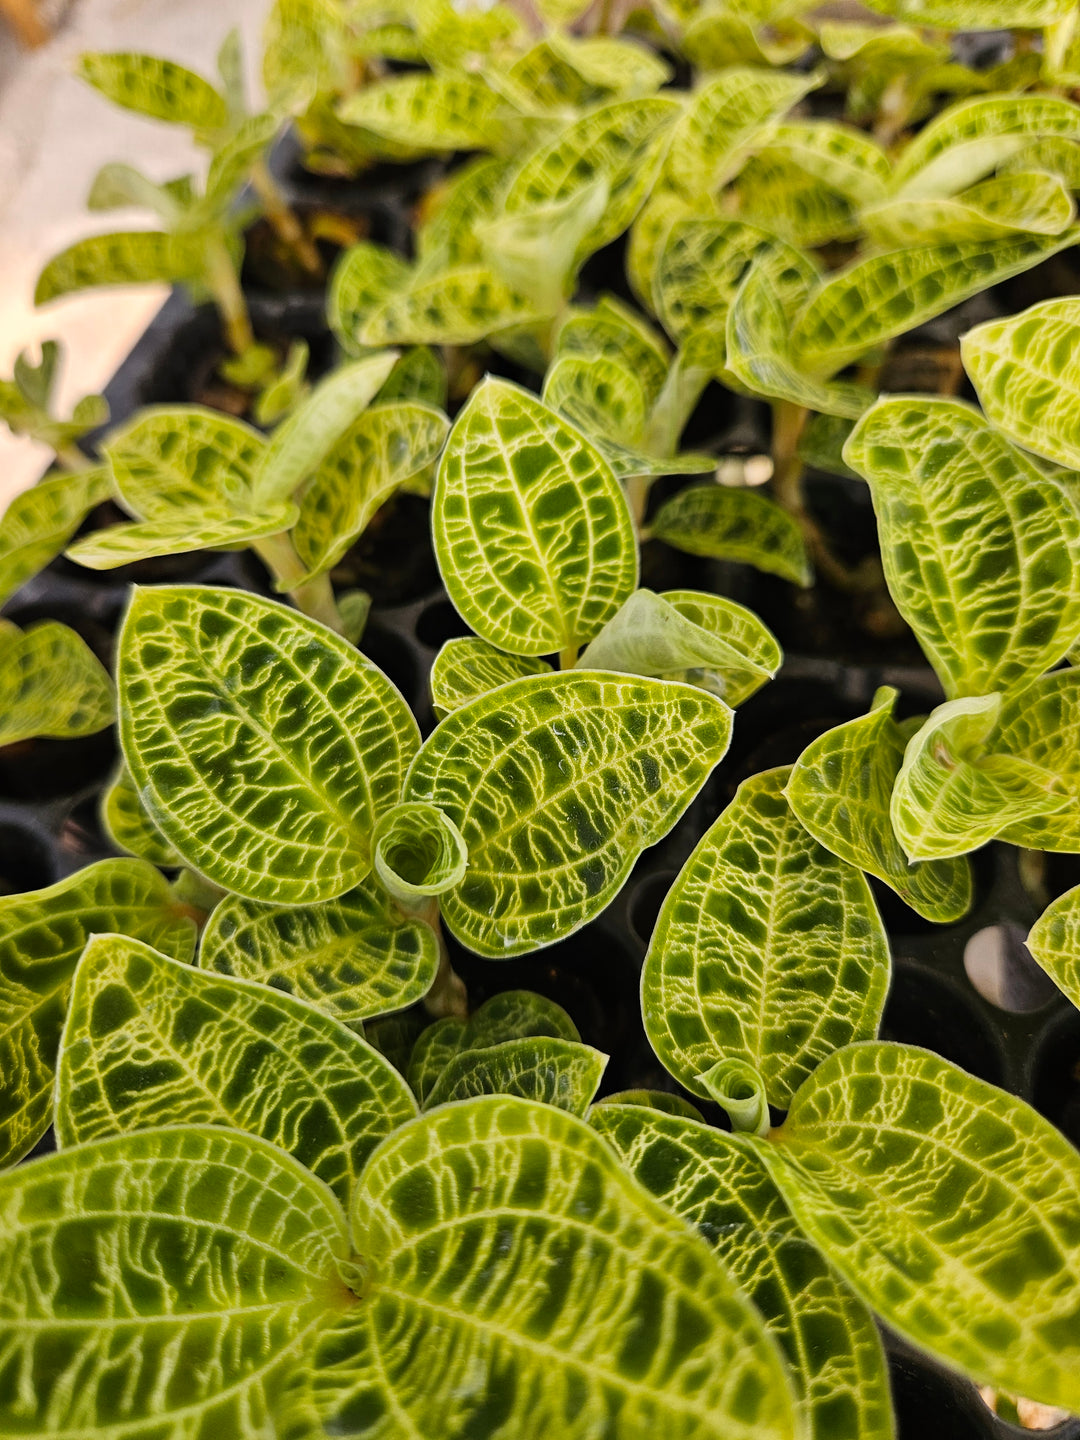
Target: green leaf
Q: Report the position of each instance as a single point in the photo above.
(660, 1100)
(435, 1047)
(563, 1073)
(970, 139)
(728, 524)
(535, 250)
(821, 444)
(384, 448)
(1025, 371)
(776, 193)
(129, 257)
(621, 145)
(418, 853)
(767, 949)
(555, 1297)
(121, 544)
(974, 14)
(981, 549)
(178, 459)
(419, 375)
(426, 112)
(840, 790)
(948, 1206)
(649, 235)
(597, 768)
(686, 635)
(42, 934)
(51, 684)
(1054, 155)
(532, 532)
(715, 39)
(612, 331)
(264, 746)
(457, 306)
(116, 186)
(151, 1041)
(724, 120)
(1027, 203)
(355, 956)
(125, 1260)
(1041, 724)
(827, 1335)
(839, 157)
(466, 668)
(363, 278)
(158, 88)
(607, 63)
(473, 193)
(233, 161)
(887, 294)
(1055, 943)
(757, 340)
(604, 397)
(39, 522)
(128, 825)
(301, 443)
(953, 793)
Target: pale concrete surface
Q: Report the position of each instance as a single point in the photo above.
(55, 133)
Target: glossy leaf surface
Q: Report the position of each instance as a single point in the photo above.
(688, 635)
(1054, 942)
(1033, 203)
(728, 524)
(531, 530)
(386, 447)
(39, 522)
(208, 1242)
(1041, 724)
(840, 790)
(42, 934)
(557, 783)
(466, 668)
(184, 458)
(129, 826)
(51, 684)
(264, 746)
(457, 306)
(554, 1296)
(563, 1073)
(129, 257)
(948, 1205)
(725, 1192)
(981, 550)
(1027, 375)
(123, 544)
(767, 949)
(355, 956)
(953, 793)
(150, 1041)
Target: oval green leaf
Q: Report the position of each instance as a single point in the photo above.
(39, 522)
(734, 524)
(51, 684)
(557, 783)
(129, 826)
(1041, 724)
(264, 746)
(563, 1073)
(159, 89)
(1055, 943)
(466, 668)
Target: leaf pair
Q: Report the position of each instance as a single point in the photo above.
(266, 749)
(26, 403)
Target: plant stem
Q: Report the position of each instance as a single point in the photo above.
(73, 458)
(224, 284)
(447, 995)
(283, 219)
(313, 597)
(637, 497)
(568, 657)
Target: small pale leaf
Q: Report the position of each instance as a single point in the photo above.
(130, 257)
(51, 684)
(1041, 724)
(129, 826)
(466, 668)
(1055, 943)
(160, 89)
(121, 544)
(1032, 203)
(563, 1073)
(426, 112)
(728, 524)
(38, 523)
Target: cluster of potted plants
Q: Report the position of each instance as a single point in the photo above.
(614, 297)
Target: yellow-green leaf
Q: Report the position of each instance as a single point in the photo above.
(730, 524)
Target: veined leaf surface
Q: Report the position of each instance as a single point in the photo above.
(971, 138)
(620, 144)
(1041, 724)
(1026, 370)
(981, 549)
(160, 89)
(884, 295)
(723, 120)
(150, 1041)
(774, 191)
(39, 522)
(687, 635)
(121, 544)
(355, 956)
(649, 235)
(426, 112)
(723, 1190)
(563, 1073)
(184, 458)
(840, 790)
(603, 397)
(129, 257)
(128, 825)
(363, 278)
(301, 442)
(557, 784)
(948, 1206)
(1031, 203)
(457, 306)
(385, 447)
(42, 934)
(840, 157)
(953, 793)
(532, 532)
(767, 949)
(420, 375)
(1055, 943)
(612, 331)
(212, 1242)
(51, 684)
(730, 524)
(263, 745)
(466, 668)
(968, 14)
(554, 1294)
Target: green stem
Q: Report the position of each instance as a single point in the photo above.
(447, 995)
(313, 597)
(637, 497)
(568, 657)
(283, 219)
(73, 458)
(224, 284)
